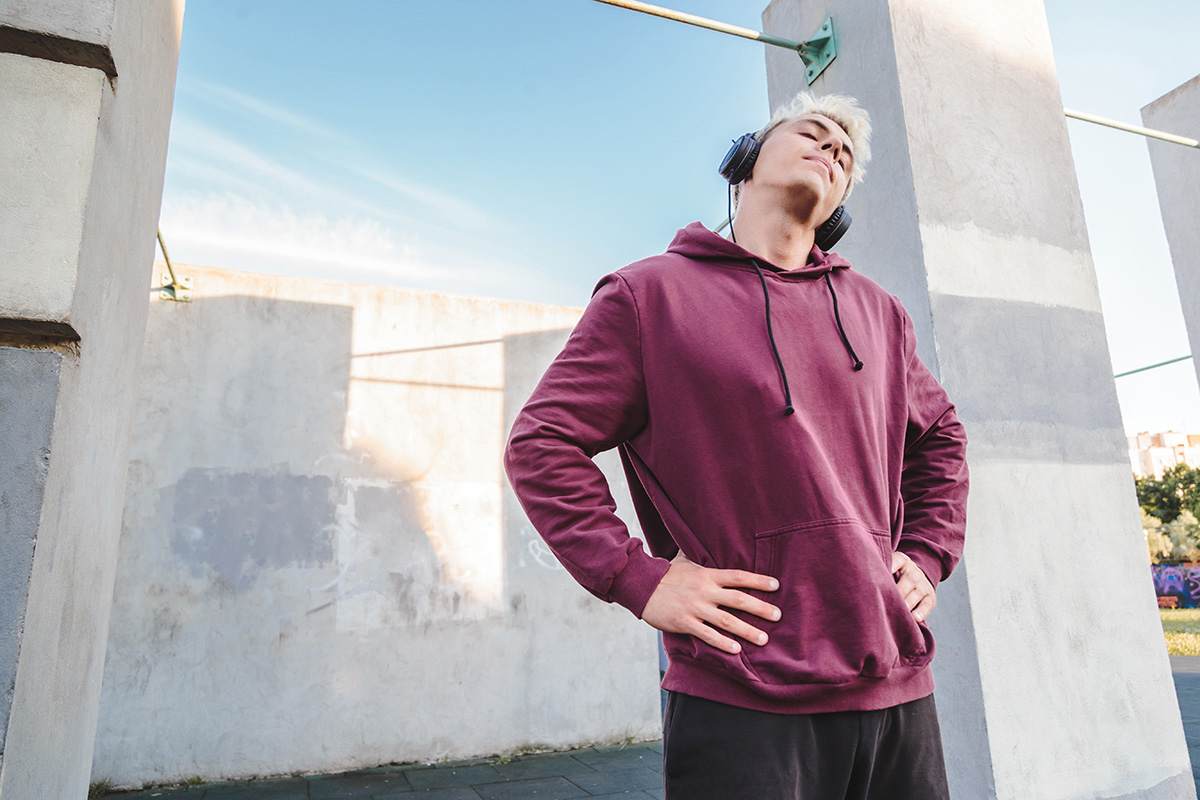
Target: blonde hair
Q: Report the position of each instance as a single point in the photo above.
(844, 110)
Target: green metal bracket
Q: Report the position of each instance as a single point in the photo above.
(172, 288)
(178, 290)
(819, 51)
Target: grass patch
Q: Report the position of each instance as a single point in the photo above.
(1181, 626)
(99, 788)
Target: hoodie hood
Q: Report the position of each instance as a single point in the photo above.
(698, 242)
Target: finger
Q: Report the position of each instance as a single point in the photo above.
(921, 612)
(913, 597)
(750, 580)
(733, 598)
(709, 634)
(728, 622)
(920, 594)
(899, 561)
(910, 578)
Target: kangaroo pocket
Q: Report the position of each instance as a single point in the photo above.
(842, 616)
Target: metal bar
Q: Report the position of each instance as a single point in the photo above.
(747, 33)
(167, 258)
(701, 22)
(1152, 366)
(1121, 126)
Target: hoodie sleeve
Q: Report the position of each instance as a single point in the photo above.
(590, 399)
(934, 478)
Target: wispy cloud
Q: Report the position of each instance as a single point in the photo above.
(235, 231)
(229, 97)
(464, 213)
(204, 141)
(236, 224)
(301, 198)
(222, 163)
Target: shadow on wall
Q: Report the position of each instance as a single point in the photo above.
(261, 394)
(273, 475)
(321, 540)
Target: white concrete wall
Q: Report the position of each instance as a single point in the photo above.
(49, 152)
(82, 151)
(322, 566)
(1177, 178)
(1052, 674)
(88, 21)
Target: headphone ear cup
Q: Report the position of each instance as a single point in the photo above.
(739, 161)
(833, 228)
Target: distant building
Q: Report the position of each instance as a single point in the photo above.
(1154, 453)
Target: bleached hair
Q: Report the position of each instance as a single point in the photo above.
(845, 111)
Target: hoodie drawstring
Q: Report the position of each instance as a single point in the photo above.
(828, 282)
(787, 394)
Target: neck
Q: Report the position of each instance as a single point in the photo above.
(774, 232)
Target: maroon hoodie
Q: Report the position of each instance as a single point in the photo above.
(691, 362)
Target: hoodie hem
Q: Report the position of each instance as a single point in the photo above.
(688, 676)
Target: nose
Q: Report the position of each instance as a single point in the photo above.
(834, 146)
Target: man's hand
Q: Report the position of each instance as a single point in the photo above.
(689, 596)
(914, 587)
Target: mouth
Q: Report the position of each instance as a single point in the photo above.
(823, 163)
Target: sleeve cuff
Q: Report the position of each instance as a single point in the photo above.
(924, 558)
(637, 580)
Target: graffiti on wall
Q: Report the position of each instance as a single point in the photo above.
(1177, 585)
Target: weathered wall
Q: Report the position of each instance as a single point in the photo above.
(1177, 176)
(86, 91)
(1053, 679)
(322, 566)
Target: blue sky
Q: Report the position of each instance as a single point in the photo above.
(522, 149)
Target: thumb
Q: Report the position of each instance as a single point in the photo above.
(899, 561)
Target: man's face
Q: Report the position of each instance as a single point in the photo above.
(809, 159)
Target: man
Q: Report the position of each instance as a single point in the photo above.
(799, 475)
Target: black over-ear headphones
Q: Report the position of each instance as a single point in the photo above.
(739, 163)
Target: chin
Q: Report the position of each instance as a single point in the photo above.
(811, 194)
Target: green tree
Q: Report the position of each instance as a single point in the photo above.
(1168, 497)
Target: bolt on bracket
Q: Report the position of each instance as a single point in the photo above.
(819, 51)
(179, 290)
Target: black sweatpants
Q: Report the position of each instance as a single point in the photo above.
(714, 751)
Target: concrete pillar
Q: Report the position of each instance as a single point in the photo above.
(1052, 676)
(1177, 176)
(86, 88)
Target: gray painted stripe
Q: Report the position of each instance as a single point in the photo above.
(28, 398)
(1030, 381)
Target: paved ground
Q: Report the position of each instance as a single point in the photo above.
(613, 772)
(1187, 687)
